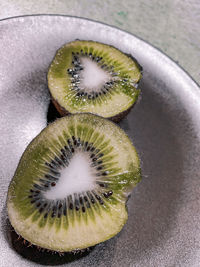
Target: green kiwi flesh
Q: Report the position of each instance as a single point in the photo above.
(87, 76)
(70, 188)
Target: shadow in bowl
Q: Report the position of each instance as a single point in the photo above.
(52, 113)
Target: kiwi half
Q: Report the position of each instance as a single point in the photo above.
(70, 189)
(87, 76)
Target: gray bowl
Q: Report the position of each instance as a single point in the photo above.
(163, 228)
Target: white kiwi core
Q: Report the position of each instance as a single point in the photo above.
(77, 177)
(92, 77)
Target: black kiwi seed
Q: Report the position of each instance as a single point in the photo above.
(92, 148)
(81, 200)
(38, 186)
(53, 214)
(74, 140)
(58, 161)
(54, 164)
(65, 211)
(66, 148)
(99, 199)
(99, 168)
(70, 71)
(88, 148)
(63, 158)
(63, 152)
(50, 177)
(78, 142)
(83, 209)
(86, 143)
(108, 194)
(42, 181)
(91, 197)
(77, 208)
(69, 142)
(49, 165)
(86, 199)
(41, 210)
(92, 200)
(105, 195)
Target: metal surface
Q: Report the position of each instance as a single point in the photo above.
(163, 225)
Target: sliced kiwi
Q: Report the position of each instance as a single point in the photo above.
(70, 189)
(87, 76)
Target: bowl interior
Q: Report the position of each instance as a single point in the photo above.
(164, 126)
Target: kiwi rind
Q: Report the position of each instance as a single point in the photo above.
(64, 109)
(37, 147)
(117, 118)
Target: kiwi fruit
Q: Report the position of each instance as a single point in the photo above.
(70, 189)
(87, 76)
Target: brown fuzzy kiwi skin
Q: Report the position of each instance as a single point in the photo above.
(22, 243)
(117, 118)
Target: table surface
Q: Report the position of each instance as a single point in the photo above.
(173, 26)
